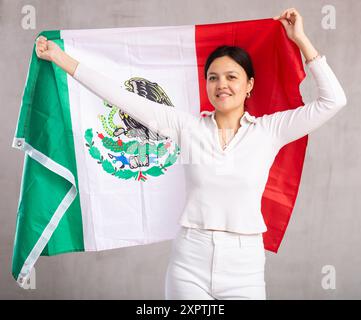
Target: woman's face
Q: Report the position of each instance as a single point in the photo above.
(227, 84)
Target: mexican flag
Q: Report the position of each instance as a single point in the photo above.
(94, 178)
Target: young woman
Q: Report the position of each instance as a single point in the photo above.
(219, 251)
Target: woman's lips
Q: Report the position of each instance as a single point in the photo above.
(223, 97)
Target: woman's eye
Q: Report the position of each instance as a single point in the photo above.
(212, 78)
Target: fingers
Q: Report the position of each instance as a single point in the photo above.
(41, 39)
(290, 15)
(40, 48)
(41, 45)
(287, 13)
(41, 42)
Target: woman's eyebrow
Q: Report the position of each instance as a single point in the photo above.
(225, 72)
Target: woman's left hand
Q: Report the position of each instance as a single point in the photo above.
(292, 22)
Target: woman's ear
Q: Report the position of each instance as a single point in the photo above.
(250, 84)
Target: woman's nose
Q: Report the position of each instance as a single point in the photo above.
(221, 84)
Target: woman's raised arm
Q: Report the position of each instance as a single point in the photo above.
(166, 120)
(287, 126)
(293, 23)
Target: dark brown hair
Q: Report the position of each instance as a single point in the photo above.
(238, 54)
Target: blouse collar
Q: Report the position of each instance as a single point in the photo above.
(246, 116)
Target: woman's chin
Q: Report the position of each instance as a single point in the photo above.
(225, 108)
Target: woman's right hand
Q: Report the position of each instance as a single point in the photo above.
(46, 49)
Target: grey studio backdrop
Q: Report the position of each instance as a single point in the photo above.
(320, 255)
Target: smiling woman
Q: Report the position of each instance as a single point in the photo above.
(230, 79)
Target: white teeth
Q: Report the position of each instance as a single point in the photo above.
(223, 95)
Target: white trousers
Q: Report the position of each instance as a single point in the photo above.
(209, 265)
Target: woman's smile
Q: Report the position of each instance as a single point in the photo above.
(223, 97)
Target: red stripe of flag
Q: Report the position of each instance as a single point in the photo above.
(278, 73)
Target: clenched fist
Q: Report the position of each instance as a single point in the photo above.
(46, 49)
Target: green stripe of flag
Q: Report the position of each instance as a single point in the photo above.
(44, 132)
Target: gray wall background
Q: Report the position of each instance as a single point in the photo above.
(326, 222)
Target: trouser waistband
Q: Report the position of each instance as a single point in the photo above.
(223, 237)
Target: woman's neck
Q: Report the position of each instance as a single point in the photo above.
(229, 120)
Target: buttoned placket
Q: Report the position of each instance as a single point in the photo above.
(235, 137)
